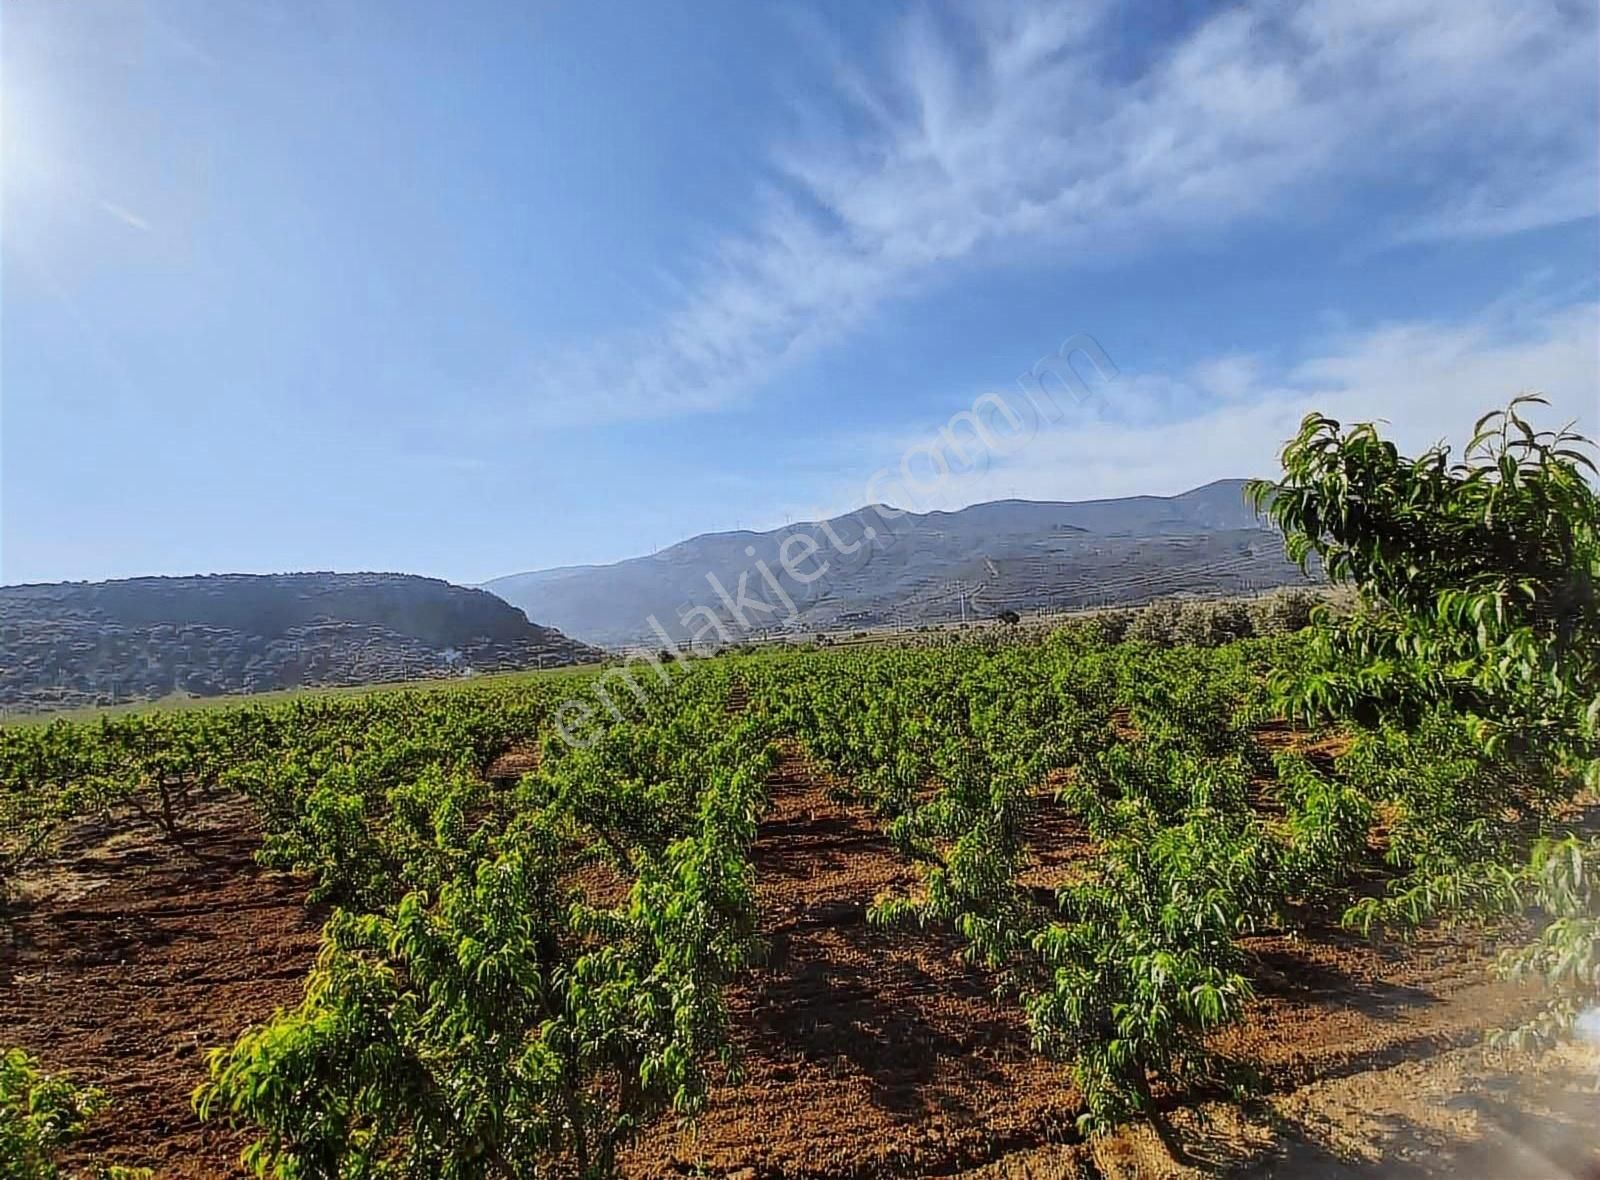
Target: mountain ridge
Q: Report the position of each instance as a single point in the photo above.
(68, 644)
(887, 565)
(878, 509)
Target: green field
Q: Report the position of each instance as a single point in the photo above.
(541, 888)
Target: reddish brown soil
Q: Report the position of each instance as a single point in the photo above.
(1458, 1115)
(1338, 1004)
(866, 1051)
(513, 764)
(132, 958)
(871, 1052)
(1055, 840)
(1279, 735)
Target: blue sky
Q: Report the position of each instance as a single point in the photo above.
(470, 289)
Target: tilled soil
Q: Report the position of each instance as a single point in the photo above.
(132, 958)
(870, 1052)
(866, 1051)
(513, 764)
(1459, 1115)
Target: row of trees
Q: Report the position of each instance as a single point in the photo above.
(483, 1004)
(1463, 675)
(516, 976)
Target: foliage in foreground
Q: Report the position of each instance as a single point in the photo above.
(518, 976)
(40, 1113)
(495, 1020)
(1479, 585)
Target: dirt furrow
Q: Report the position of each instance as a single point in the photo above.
(104, 976)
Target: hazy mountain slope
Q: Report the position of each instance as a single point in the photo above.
(919, 567)
(95, 642)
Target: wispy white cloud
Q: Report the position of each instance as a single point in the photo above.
(1163, 433)
(126, 216)
(1229, 377)
(1020, 130)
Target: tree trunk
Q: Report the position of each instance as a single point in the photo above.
(1158, 1118)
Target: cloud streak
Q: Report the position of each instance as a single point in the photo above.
(1162, 433)
(126, 216)
(1024, 132)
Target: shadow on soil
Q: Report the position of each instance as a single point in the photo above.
(800, 847)
(832, 996)
(1292, 976)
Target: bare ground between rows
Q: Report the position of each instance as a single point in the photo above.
(870, 1052)
(1457, 1115)
(867, 1052)
(130, 958)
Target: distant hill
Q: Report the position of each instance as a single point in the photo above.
(1008, 554)
(85, 643)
